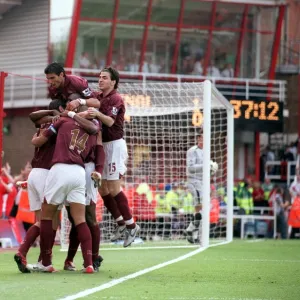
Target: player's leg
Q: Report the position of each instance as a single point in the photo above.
(112, 206)
(30, 237)
(192, 230)
(35, 186)
(56, 187)
(90, 213)
(108, 200)
(77, 201)
(116, 169)
(46, 239)
(73, 244)
(84, 235)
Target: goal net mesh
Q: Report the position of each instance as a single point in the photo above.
(162, 123)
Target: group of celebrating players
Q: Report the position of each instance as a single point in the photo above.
(79, 150)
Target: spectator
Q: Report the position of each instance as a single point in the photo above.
(243, 196)
(280, 207)
(288, 155)
(121, 65)
(187, 65)
(294, 215)
(267, 186)
(84, 61)
(24, 173)
(213, 71)
(198, 66)
(258, 195)
(228, 72)
(8, 191)
(270, 157)
(133, 65)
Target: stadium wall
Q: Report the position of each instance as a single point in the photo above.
(17, 143)
(26, 25)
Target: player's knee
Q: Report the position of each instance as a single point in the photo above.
(91, 220)
(114, 188)
(90, 215)
(103, 190)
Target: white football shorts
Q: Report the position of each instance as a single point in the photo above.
(115, 159)
(35, 186)
(195, 188)
(65, 183)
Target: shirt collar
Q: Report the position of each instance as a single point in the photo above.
(110, 94)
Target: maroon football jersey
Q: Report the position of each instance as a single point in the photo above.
(43, 155)
(73, 144)
(73, 84)
(113, 106)
(92, 155)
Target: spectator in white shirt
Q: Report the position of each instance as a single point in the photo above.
(213, 71)
(84, 61)
(228, 72)
(198, 66)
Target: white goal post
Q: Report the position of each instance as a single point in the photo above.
(162, 123)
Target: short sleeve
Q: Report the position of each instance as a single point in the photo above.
(115, 106)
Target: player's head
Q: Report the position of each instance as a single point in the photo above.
(200, 138)
(108, 79)
(55, 74)
(57, 104)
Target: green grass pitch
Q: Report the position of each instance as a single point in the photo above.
(264, 270)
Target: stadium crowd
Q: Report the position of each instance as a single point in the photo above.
(165, 209)
(190, 65)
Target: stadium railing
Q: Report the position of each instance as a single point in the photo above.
(29, 88)
(283, 171)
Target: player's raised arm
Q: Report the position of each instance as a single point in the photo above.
(46, 116)
(89, 126)
(106, 120)
(91, 102)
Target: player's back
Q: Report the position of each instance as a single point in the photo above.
(43, 155)
(73, 144)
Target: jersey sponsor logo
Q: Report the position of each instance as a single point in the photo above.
(87, 92)
(114, 111)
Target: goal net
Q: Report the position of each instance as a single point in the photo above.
(162, 123)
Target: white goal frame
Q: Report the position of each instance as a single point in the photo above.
(210, 93)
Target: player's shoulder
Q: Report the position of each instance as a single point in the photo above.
(76, 79)
(116, 96)
(192, 149)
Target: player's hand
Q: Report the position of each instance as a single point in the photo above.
(93, 112)
(22, 184)
(55, 119)
(64, 113)
(96, 177)
(72, 105)
(213, 167)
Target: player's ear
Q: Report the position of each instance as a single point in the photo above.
(60, 108)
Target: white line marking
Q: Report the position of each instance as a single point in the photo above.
(255, 241)
(152, 248)
(130, 276)
(256, 260)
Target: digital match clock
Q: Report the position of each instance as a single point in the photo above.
(258, 115)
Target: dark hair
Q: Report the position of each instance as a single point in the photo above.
(200, 132)
(114, 75)
(56, 103)
(55, 68)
